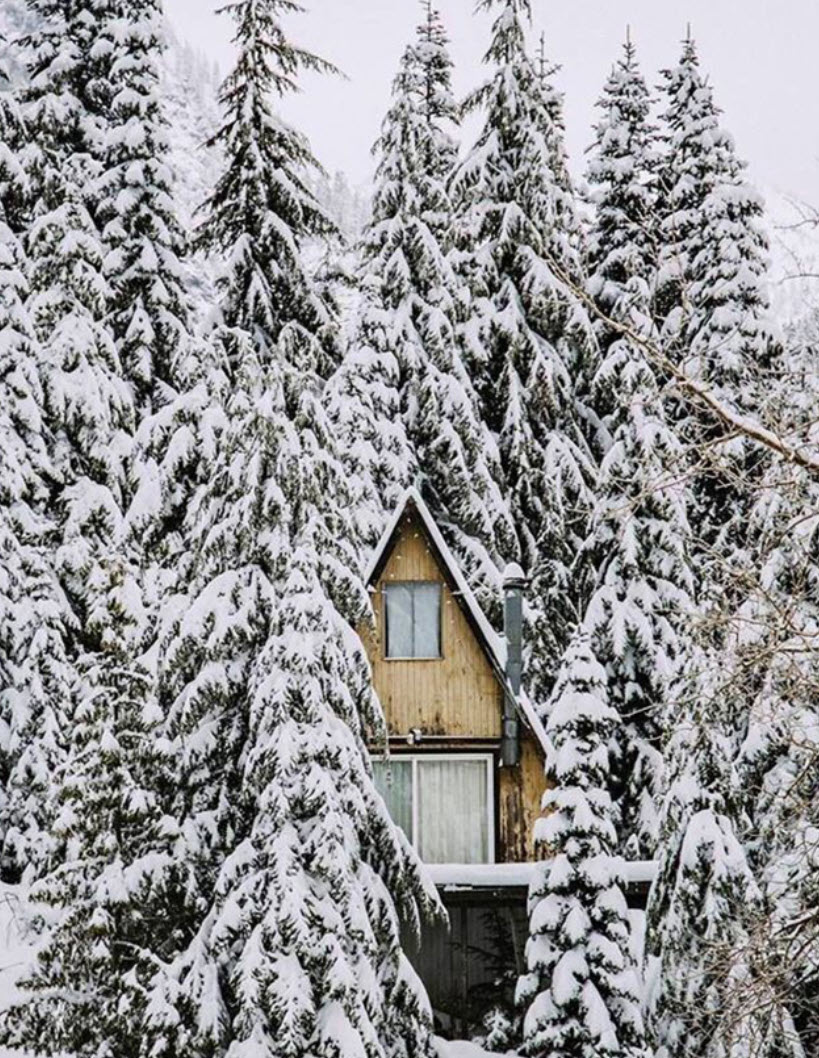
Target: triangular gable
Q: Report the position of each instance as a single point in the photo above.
(494, 646)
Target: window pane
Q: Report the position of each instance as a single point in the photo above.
(393, 780)
(427, 620)
(413, 619)
(399, 621)
(453, 811)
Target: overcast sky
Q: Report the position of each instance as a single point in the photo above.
(760, 54)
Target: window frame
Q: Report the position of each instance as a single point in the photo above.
(413, 657)
(414, 759)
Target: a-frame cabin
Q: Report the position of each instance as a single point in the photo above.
(463, 769)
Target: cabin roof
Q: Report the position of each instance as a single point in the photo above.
(494, 645)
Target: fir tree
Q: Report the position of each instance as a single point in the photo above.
(108, 887)
(296, 949)
(778, 761)
(112, 895)
(262, 196)
(420, 409)
(170, 371)
(704, 904)
(89, 410)
(711, 299)
(135, 211)
(581, 990)
(622, 173)
(712, 305)
(33, 671)
(527, 338)
(639, 537)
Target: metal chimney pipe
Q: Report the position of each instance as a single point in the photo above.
(514, 583)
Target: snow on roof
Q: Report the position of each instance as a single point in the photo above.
(511, 875)
(495, 644)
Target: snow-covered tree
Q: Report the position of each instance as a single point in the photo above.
(33, 672)
(705, 906)
(113, 895)
(779, 760)
(622, 173)
(414, 416)
(638, 542)
(711, 298)
(89, 408)
(527, 338)
(302, 875)
(262, 210)
(581, 991)
(135, 211)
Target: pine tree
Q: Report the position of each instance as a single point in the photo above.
(622, 245)
(705, 906)
(264, 191)
(711, 299)
(33, 673)
(778, 761)
(170, 371)
(527, 338)
(403, 365)
(711, 303)
(88, 403)
(135, 211)
(639, 538)
(110, 909)
(301, 873)
(581, 992)
(112, 895)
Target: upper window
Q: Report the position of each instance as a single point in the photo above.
(443, 804)
(413, 619)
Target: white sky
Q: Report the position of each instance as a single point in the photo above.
(760, 54)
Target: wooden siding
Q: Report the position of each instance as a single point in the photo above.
(460, 961)
(520, 791)
(457, 695)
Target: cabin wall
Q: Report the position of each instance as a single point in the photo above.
(457, 695)
(520, 791)
(471, 963)
(455, 701)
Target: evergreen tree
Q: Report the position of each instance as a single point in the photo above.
(638, 542)
(527, 338)
(113, 892)
(135, 211)
(711, 303)
(262, 197)
(711, 299)
(403, 367)
(778, 761)
(89, 409)
(581, 990)
(33, 671)
(705, 905)
(171, 372)
(296, 949)
(622, 243)
(108, 886)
